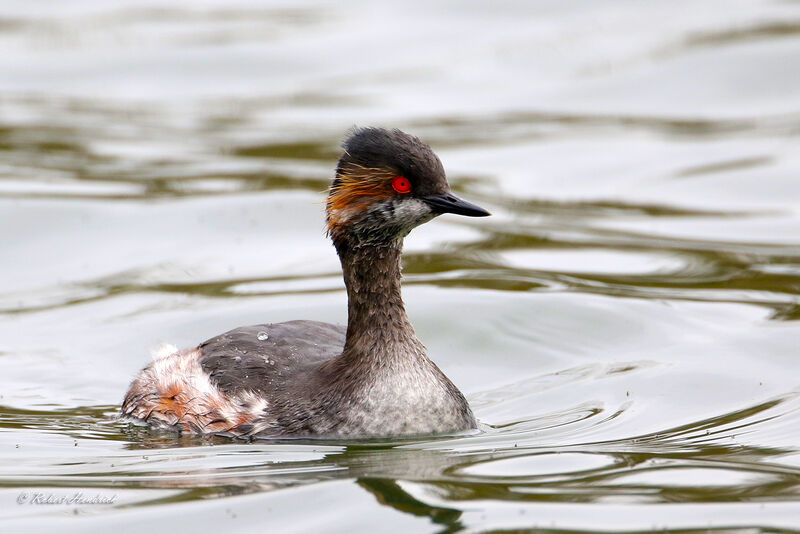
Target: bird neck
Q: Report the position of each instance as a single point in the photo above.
(376, 317)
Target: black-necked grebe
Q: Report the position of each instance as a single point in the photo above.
(317, 379)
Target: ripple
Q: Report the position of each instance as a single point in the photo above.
(698, 477)
(761, 30)
(594, 261)
(540, 465)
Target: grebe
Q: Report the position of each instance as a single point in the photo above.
(307, 378)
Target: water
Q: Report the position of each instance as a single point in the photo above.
(625, 325)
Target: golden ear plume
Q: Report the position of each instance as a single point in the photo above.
(355, 188)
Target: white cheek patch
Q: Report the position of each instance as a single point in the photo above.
(412, 212)
(392, 219)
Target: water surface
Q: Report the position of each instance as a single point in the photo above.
(625, 325)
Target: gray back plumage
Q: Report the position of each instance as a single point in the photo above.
(253, 357)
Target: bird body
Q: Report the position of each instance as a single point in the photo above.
(306, 378)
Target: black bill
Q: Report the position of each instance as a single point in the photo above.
(449, 203)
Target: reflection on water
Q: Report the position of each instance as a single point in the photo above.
(627, 320)
(699, 462)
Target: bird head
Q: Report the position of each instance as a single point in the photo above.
(388, 182)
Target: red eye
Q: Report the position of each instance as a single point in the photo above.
(401, 184)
